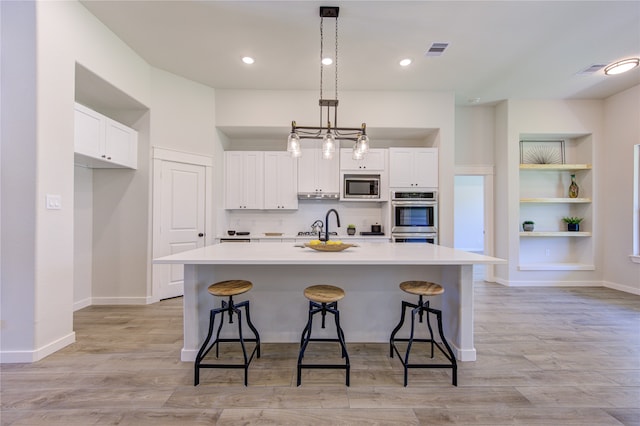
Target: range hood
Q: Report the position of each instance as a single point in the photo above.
(318, 195)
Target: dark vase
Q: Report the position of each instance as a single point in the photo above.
(573, 226)
(351, 231)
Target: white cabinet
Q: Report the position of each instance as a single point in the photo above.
(280, 181)
(100, 142)
(315, 174)
(374, 160)
(413, 167)
(244, 179)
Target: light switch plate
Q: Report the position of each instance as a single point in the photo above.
(54, 202)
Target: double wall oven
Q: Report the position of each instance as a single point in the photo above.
(414, 217)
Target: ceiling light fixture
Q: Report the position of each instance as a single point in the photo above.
(329, 133)
(621, 66)
(248, 60)
(405, 62)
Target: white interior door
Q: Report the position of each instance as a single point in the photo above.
(182, 219)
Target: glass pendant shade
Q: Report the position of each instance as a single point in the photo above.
(328, 145)
(363, 144)
(357, 154)
(293, 145)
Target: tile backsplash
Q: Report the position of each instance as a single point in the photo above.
(361, 214)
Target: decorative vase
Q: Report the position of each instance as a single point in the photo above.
(573, 188)
(527, 226)
(574, 227)
(351, 231)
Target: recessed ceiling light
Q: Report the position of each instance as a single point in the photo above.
(248, 60)
(405, 62)
(327, 61)
(621, 66)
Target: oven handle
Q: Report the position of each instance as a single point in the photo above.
(414, 203)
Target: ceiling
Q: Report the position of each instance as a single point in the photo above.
(497, 49)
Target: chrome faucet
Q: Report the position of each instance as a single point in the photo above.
(326, 223)
(316, 227)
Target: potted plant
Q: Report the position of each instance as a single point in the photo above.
(527, 225)
(573, 223)
(351, 229)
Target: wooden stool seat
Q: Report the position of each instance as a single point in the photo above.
(421, 288)
(230, 288)
(323, 293)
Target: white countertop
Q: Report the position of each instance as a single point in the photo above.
(287, 253)
(262, 236)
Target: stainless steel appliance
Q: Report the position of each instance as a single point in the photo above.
(362, 186)
(414, 217)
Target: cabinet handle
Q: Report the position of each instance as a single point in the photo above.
(201, 235)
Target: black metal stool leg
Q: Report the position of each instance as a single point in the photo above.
(342, 345)
(201, 352)
(398, 327)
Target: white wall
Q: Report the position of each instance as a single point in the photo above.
(82, 237)
(65, 32)
(615, 186)
(469, 213)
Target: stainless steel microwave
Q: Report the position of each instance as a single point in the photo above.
(362, 186)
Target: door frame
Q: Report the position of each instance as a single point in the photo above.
(488, 173)
(160, 155)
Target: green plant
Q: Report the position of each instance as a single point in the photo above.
(572, 219)
(351, 225)
(528, 222)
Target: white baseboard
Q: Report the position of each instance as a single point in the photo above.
(81, 304)
(121, 300)
(37, 354)
(512, 283)
(622, 287)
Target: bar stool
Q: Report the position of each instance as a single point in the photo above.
(323, 299)
(422, 289)
(222, 289)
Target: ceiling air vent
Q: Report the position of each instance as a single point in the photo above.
(436, 49)
(592, 69)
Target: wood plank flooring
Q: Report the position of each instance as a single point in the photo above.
(546, 356)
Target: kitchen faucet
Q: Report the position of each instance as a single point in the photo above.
(326, 223)
(316, 227)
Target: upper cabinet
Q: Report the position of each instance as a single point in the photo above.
(244, 179)
(315, 174)
(373, 161)
(101, 142)
(413, 167)
(280, 181)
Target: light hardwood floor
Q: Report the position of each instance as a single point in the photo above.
(546, 356)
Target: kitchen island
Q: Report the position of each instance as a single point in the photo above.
(369, 274)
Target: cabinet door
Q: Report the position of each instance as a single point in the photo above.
(425, 168)
(307, 170)
(328, 174)
(121, 145)
(401, 167)
(88, 132)
(253, 176)
(373, 160)
(280, 181)
(234, 181)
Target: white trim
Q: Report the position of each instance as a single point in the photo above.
(182, 157)
(37, 354)
(622, 287)
(81, 304)
(121, 300)
(634, 258)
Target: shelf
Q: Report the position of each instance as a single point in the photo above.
(556, 200)
(557, 167)
(555, 234)
(556, 267)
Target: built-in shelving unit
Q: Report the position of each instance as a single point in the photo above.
(544, 200)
